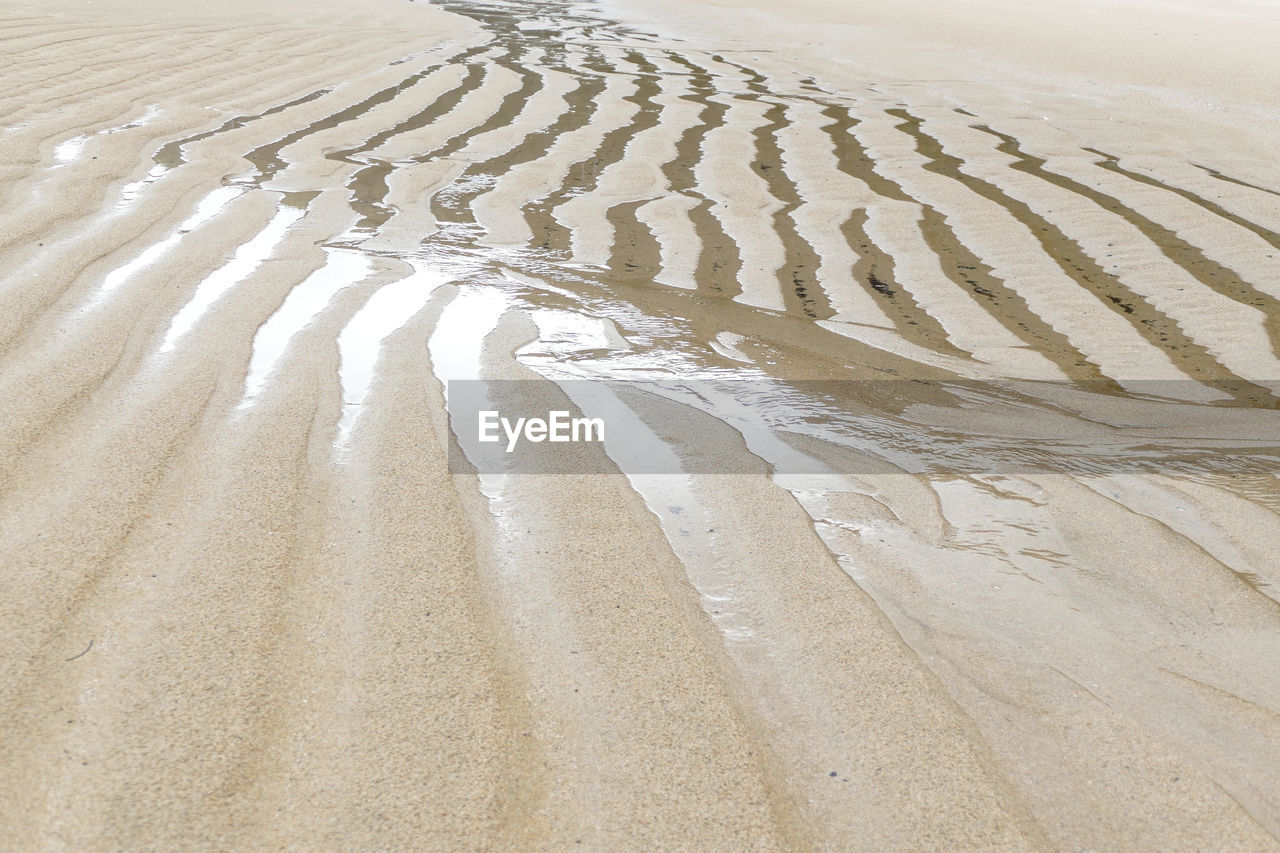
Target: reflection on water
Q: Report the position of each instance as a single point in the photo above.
(360, 342)
(209, 207)
(70, 149)
(341, 269)
(457, 345)
(247, 258)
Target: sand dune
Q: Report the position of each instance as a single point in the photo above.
(249, 603)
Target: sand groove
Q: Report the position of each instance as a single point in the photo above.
(1157, 327)
(1205, 270)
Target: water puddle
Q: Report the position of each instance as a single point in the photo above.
(129, 192)
(569, 333)
(566, 342)
(360, 342)
(246, 260)
(457, 353)
(457, 345)
(342, 268)
(726, 343)
(209, 207)
(70, 150)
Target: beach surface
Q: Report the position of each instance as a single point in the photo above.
(254, 596)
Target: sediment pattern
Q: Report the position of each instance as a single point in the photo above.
(247, 605)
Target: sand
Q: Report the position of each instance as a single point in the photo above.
(247, 604)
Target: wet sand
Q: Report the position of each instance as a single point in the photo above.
(248, 605)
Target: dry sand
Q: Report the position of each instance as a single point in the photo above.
(247, 606)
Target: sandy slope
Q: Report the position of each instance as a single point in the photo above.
(246, 604)
(1171, 71)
